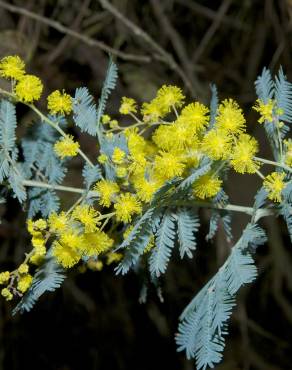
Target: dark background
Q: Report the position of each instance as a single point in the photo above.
(95, 321)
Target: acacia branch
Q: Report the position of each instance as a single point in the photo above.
(70, 189)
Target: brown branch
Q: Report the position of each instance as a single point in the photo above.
(66, 39)
(160, 53)
(212, 30)
(176, 42)
(67, 31)
(211, 14)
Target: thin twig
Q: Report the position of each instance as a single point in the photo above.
(160, 53)
(67, 31)
(75, 25)
(70, 189)
(176, 41)
(273, 163)
(211, 31)
(211, 14)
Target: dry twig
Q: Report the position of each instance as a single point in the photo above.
(67, 31)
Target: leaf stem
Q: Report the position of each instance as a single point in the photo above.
(263, 212)
(70, 189)
(273, 163)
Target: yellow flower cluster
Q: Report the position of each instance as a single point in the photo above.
(77, 235)
(274, 185)
(66, 147)
(12, 67)
(265, 110)
(176, 147)
(37, 229)
(179, 138)
(128, 106)
(19, 280)
(59, 102)
(28, 88)
(126, 206)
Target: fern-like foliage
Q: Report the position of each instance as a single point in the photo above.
(204, 321)
(283, 95)
(84, 111)
(40, 161)
(264, 85)
(16, 176)
(7, 125)
(9, 152)
(213, 225)
(108, 86)
(164, 243)
(281, 91)
(188, 182)
(48, 278)
(136, 242)
(187, 225)
(213, 105)
(91, 174)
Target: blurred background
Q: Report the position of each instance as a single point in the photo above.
(96, 321)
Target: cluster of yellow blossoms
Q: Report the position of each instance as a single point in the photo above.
(168, 139)
(73, 236)
(28, 89)
(176, 147)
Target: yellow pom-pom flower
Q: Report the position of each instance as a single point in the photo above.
(265, 110)
(37, 259)
(23, 268)
(88, 216)
(230, 117)
(66, 147)
(107, 190)
(153, 111)
(24, 283)
(169, 96)
(65, 255)
(274, 185)
(145, 189)
(105, 119)
(5, 292)
(118, 155)
(38, 240)
(58, 223)
(121, 171)
(216, 145)
(102, 158)
(4, 277)
(59, 102)
(95, 243)
(168, 165)
(176, 136)
(126, 206)
(242, 156)
(29, 88)
(12, 67)
(128, 105)
(40, 224)
(194, 115)
(207, 186)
